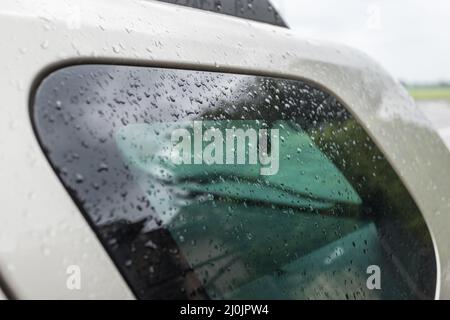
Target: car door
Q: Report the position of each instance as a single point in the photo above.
(354, 179)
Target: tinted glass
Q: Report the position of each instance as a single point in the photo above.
(212, 185)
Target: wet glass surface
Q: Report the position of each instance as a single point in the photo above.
(207, 185)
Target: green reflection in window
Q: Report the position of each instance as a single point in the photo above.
(246, 234)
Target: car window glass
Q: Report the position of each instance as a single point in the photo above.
(213, 185)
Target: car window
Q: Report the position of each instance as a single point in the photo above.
(226, 186)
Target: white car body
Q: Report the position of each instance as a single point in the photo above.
(42, 231)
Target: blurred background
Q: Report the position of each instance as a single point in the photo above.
(409, 38)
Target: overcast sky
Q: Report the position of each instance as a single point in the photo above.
(410, 38)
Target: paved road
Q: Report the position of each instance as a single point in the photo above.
(438, 112)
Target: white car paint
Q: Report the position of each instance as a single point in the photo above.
(42, 232)
(2, 295)
(438, 112)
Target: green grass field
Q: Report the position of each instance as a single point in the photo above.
(430, 93)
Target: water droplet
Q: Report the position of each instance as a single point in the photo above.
(79, 178)
(45, 44)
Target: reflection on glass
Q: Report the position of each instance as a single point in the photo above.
(209, 185)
